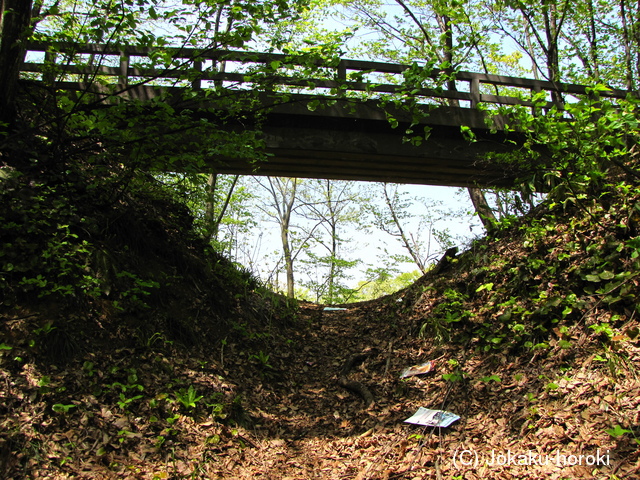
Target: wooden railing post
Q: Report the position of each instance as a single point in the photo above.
(536, 111)
(49, 71)
(342, 70)
(342, 77)
(474, 90)
(123, 76)
(196, 83)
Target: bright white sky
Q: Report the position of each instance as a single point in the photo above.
(369, 246)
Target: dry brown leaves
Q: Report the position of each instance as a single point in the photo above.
(546, 417)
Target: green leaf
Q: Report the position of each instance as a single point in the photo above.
(467, 133)
(452, 377)
(564, 344)
(617, 431)
(487, 286)
(606, 275)
(598, 88)
(61, 408)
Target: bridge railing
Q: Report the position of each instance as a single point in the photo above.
(74, 65)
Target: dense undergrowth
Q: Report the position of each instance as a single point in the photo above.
(544, 281)
(112, 247)
(110, 302)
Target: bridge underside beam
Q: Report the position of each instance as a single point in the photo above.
(357, 149)
(351, 139)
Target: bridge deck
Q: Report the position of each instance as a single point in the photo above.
(359, 145)
(352, 139)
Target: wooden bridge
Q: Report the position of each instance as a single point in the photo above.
(336, 119)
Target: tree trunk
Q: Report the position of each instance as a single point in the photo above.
(210, 227)
(553, 62)
(288, 258)
(334, 257)
(15, 20)
(283, 194)
(482, 208)
(405, 241)
(627, 46)
(211, 220)
(477, 195)
(284, 231)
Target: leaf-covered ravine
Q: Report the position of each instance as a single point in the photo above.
(171, 364)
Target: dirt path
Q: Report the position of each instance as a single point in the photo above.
(90, 420)
(306, 426)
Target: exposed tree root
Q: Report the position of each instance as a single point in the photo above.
(351, 385)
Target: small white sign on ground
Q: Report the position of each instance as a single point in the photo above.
(434, 418)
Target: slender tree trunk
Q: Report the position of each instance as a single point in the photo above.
(482, 207)
(286, 246)
(405, 241)
(283, 195)
(635, 34)
(475, 194)
(211, 220)
(15, 20)
(627, 45)
(553, 62)
(210, 228)
(288, 258)
(534, 67)
(285, 223)
(333, 220)
(592, 35)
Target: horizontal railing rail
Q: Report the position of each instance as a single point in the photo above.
(131, 65)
